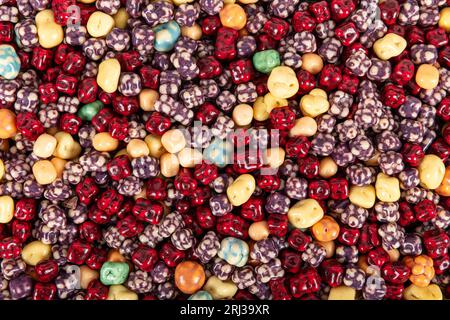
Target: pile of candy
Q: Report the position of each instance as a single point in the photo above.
(213, 149)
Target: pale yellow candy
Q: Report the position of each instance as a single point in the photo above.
(121, 153)
(86, 1)
(137, 148)
(282, 82)
(312, 63)
(242, 114)
(274, 157)
(342, 293)
(169, 165)
(431, 292)
(305, 126)
(178, 2)
(315, 103)
(6, 209)
(87, 275)
(103, 141)
(389, 46)
(329, 246)
(2, 169)
(305, 213)
(259, 230)
(444, 19)
(427, 76)
(387, 188)
(327, 167)
(59, 165)
(394, 255)
(99, 24)
(241, 189)
(50, 34)
(273, 102)
(120, 292)
(173, 140)
(363, 196)
(121, 18)
(194, 32)
(220, 289)
(108, 75)
(35, 252)
(189, 157)
(44, 146)
(431, 171)
(147, 99)
(44, 172)
(260, 112)
(155, 146)
(67, 148)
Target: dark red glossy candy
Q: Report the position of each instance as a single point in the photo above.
(70, 123)
(102, 119)
(125, 106)
(309, 166)
(341, 9)
(279, 289)
(118, 128)
(377, 257)
(78, 252)
(348, 236)
(207, 113)
(48, 93)
(10, 248)
(200, 196)
(210, 25)
(171, 255)
(42, 58)
(282, 118)
(291, 260)
(425, 210)
(436, 243)
(148, 211)
(437, 37)
(441, 264)
(110, 200)
(278, 224)
(119, 167)
(44, 291)
(74, 63)
(298, 240)
(157, 123)
(319, 189)
(209, 67)
(303, 21)
(320, 11)
(87, 90)
(330, 77)
(338, 188)
(156, 189)
(96, 258)
(268, 182)
(390, 9)
(395, 272)
(6, 31)
(241, 71)
(394, 291)
(145, 258)
(233, 226)
(347, 33)
(90, 231)
(204, 217)
(25, 209)
(21, 230)
(67, 84)
(297, 147)
(412, 154)
(46, 270)
(393, 96)
(332, 272)
(130, 60)
(149, 77)
(305, 282)
(29, 125)
(129, 227)
(225, 46)
(276, 28)
(87, 190)
(96, 291)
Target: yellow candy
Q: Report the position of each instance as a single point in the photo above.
(100, 24)
(260, 112)
(442, 190)
(44, 172)
(108, 75)
(427, 76)
(50, 33)
(44, 146)
(120, 292)
(363, 196)
(274, 157)
(305, 213)
(431, 171)
(104, 142)
(67, 148)
(8, 127)
(273, 102)
(259, 230)
(431, 292)
(169, 164)
(282, 82)
(154, 145)
(233, 16)
(342, 293)
(35, 252)
(389, 46)
(241, 189)
(173, 140)
(220, 289)
(444, 19)
(137, 148)
(2, 169)
(59, 166)
(387, 188)
(194, 32)
(305, 126)
(6, 209)
(315, 103)
(121, 18)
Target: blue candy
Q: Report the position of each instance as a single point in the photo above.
(201, 295)
(219, 152)
(234, 251)
(9, 62)
(166, 35)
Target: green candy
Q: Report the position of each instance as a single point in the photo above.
(114, 273)
(265, 61)
(88, 111)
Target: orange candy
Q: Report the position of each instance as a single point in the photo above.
(444, 187)
(326, 229)
(422, 270)
(189, 277)
(233, 16)
(8, 127)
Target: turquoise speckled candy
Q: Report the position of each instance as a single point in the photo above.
(114, 273)
(9, 62)
(219, 152)
(166, 35)
(234, 251)
(265, 61)
(201, 295)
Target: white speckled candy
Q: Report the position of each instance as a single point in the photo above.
(9, 62)
(234, 251)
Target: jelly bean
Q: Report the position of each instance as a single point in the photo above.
(67, 148)
(44, 172)
(312, 63)
(234, 251)
(258, 230)
(104, 142)
(265, 61)
(137, 148)
(304, 126)
(431, 292)
(9, 62)
(315, 103)
(169, 164)
(113, 273)
(108, 75)
(166, 35)
(173, 140)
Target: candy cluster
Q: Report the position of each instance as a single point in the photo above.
(221, 149)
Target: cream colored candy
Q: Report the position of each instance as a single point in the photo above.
(312, 63)
(35, 252)
(282, 82)
(342, 293)
(154, 145)
(67, 148)
(387, 188)
(389, 46)
(394, 255)
(258, 230)
(44, 172)
(241, 189)
(305, 213)
(363, 196)
(242, 114)
(305, 126)
(431, 292)
(104, 142)
(2, 169)
(193, 32)
(220, 289)
(44, 146)
(431, 171)
(272, 102)
(329, 246)
(50, 34)
(444, 19)
(189, 157)
(59, 164)
(87, 275)
(173, 140)
(275, 157)
(147, 99)
(260, 112)
(169, 165)
(327, 167)
(427, 76)
(108, 75)
(137, 148)
(6, 209)
(99, 24)
(120, 292)
(121, 18)
(178, 2)
(315, 103)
